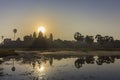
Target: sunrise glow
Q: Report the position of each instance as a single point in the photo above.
(41, 29)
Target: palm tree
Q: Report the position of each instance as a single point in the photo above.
(14, 31)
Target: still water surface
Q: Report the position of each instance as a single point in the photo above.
(53, 67)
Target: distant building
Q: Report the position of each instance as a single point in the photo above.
(28, 38)
(6, 41)
(28, 41)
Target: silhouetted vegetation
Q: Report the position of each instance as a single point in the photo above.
(91, 60)
(97, 42)
(14, 31)
(42, 42)
(79, 62)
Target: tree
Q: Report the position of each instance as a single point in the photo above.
(14, 31)
(18, 40)
(89, 39)
(111, 39)
(78, 37)
(106, 38)
(99, 38)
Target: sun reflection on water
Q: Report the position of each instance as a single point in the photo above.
(41, 68)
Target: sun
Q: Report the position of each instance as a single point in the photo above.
(41, 29)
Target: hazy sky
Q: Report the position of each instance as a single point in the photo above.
(61, 17)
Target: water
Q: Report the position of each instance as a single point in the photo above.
(54, 67)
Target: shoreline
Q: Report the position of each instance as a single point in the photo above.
(7, 52)
(12, 52)
(89, 53)
(74, 53)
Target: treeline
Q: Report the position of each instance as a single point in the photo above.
(42, 42)
(97, 41)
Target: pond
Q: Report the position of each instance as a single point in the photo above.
(56, 67)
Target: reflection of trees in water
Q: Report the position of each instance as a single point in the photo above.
(13, 67)
(1, 69)
(91, 60)
(38, 59)
(79, 62)
(51, 61)
(1, 72)
(84, 59)
(105, 59)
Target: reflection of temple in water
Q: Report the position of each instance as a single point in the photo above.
(38, 60)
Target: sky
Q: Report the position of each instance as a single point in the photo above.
(61, 17)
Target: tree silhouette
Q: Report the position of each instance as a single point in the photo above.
(104, 39)
(99, 38)
(111, 39)
(78, 37)
(108, 39)
(14, 31)
(89, 39)
(18, 40)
